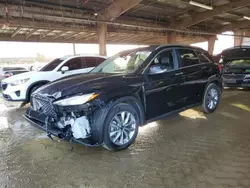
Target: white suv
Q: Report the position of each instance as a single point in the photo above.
(20, 87)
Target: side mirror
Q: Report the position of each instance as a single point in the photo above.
(64, 69)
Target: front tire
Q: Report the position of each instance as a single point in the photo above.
(121, 127)
(211, 98)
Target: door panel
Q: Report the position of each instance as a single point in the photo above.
(194, 83)
(195, 70)
(163, 85)
(164, 93)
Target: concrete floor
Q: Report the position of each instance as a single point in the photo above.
(187, 150)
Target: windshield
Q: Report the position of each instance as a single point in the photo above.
(124, 62)
(52, 65)
(240, 63)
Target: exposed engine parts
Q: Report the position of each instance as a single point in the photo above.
(78, 126)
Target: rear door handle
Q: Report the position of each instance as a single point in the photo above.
(203, 67)
(179, 73)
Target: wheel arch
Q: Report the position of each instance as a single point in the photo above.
(216, 80)
(100, 114)
(40, 82)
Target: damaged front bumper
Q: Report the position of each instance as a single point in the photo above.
(50, 126)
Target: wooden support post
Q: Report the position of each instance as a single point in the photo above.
(211, 43)
(102, 35)
(74, 48)
(171, 37)
(238, 39)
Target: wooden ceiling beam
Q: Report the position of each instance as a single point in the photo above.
(36, 38)
(45, 34)
(196, 17)
(31, 33)
(16, 32)
(71, 35)
(58, 35)
(117, 8)
(90, 35)
(234, 26)
(49, 21)
(130, 38)
(118, 38)
(221, 19)
(162, 5)
(81, 36)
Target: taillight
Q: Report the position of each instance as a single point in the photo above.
(220, 67)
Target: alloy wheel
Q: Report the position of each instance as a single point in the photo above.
(122, 128)
(212, 99)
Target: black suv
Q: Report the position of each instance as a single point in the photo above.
(128, 90)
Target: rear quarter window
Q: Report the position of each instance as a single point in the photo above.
(204, 57)
(99, 60)
(188, 57)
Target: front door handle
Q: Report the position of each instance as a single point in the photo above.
(179, 73)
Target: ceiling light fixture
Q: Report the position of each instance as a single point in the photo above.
(246, 17)
(200, 5)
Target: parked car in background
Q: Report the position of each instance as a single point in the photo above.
(20, 87)
(235, 63)
(106, 106)
(6, 72)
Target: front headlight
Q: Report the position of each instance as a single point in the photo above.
(19, 82)
(76, 100)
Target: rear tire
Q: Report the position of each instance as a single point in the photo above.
(211, 98)
(120, 127)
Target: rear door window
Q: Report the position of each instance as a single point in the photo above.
(188, 57)
(74, 64)
(203, 57)
(99, 60)
(90, 62)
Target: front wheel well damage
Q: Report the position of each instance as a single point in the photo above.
(99, 115)
(136, 104)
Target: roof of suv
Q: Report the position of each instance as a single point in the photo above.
(161, 47)
(178, 46)
(82, 55)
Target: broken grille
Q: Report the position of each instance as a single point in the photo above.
(43, 105)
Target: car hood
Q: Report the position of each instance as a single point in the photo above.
(20, 76)
(236, 53)
(84, 83)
